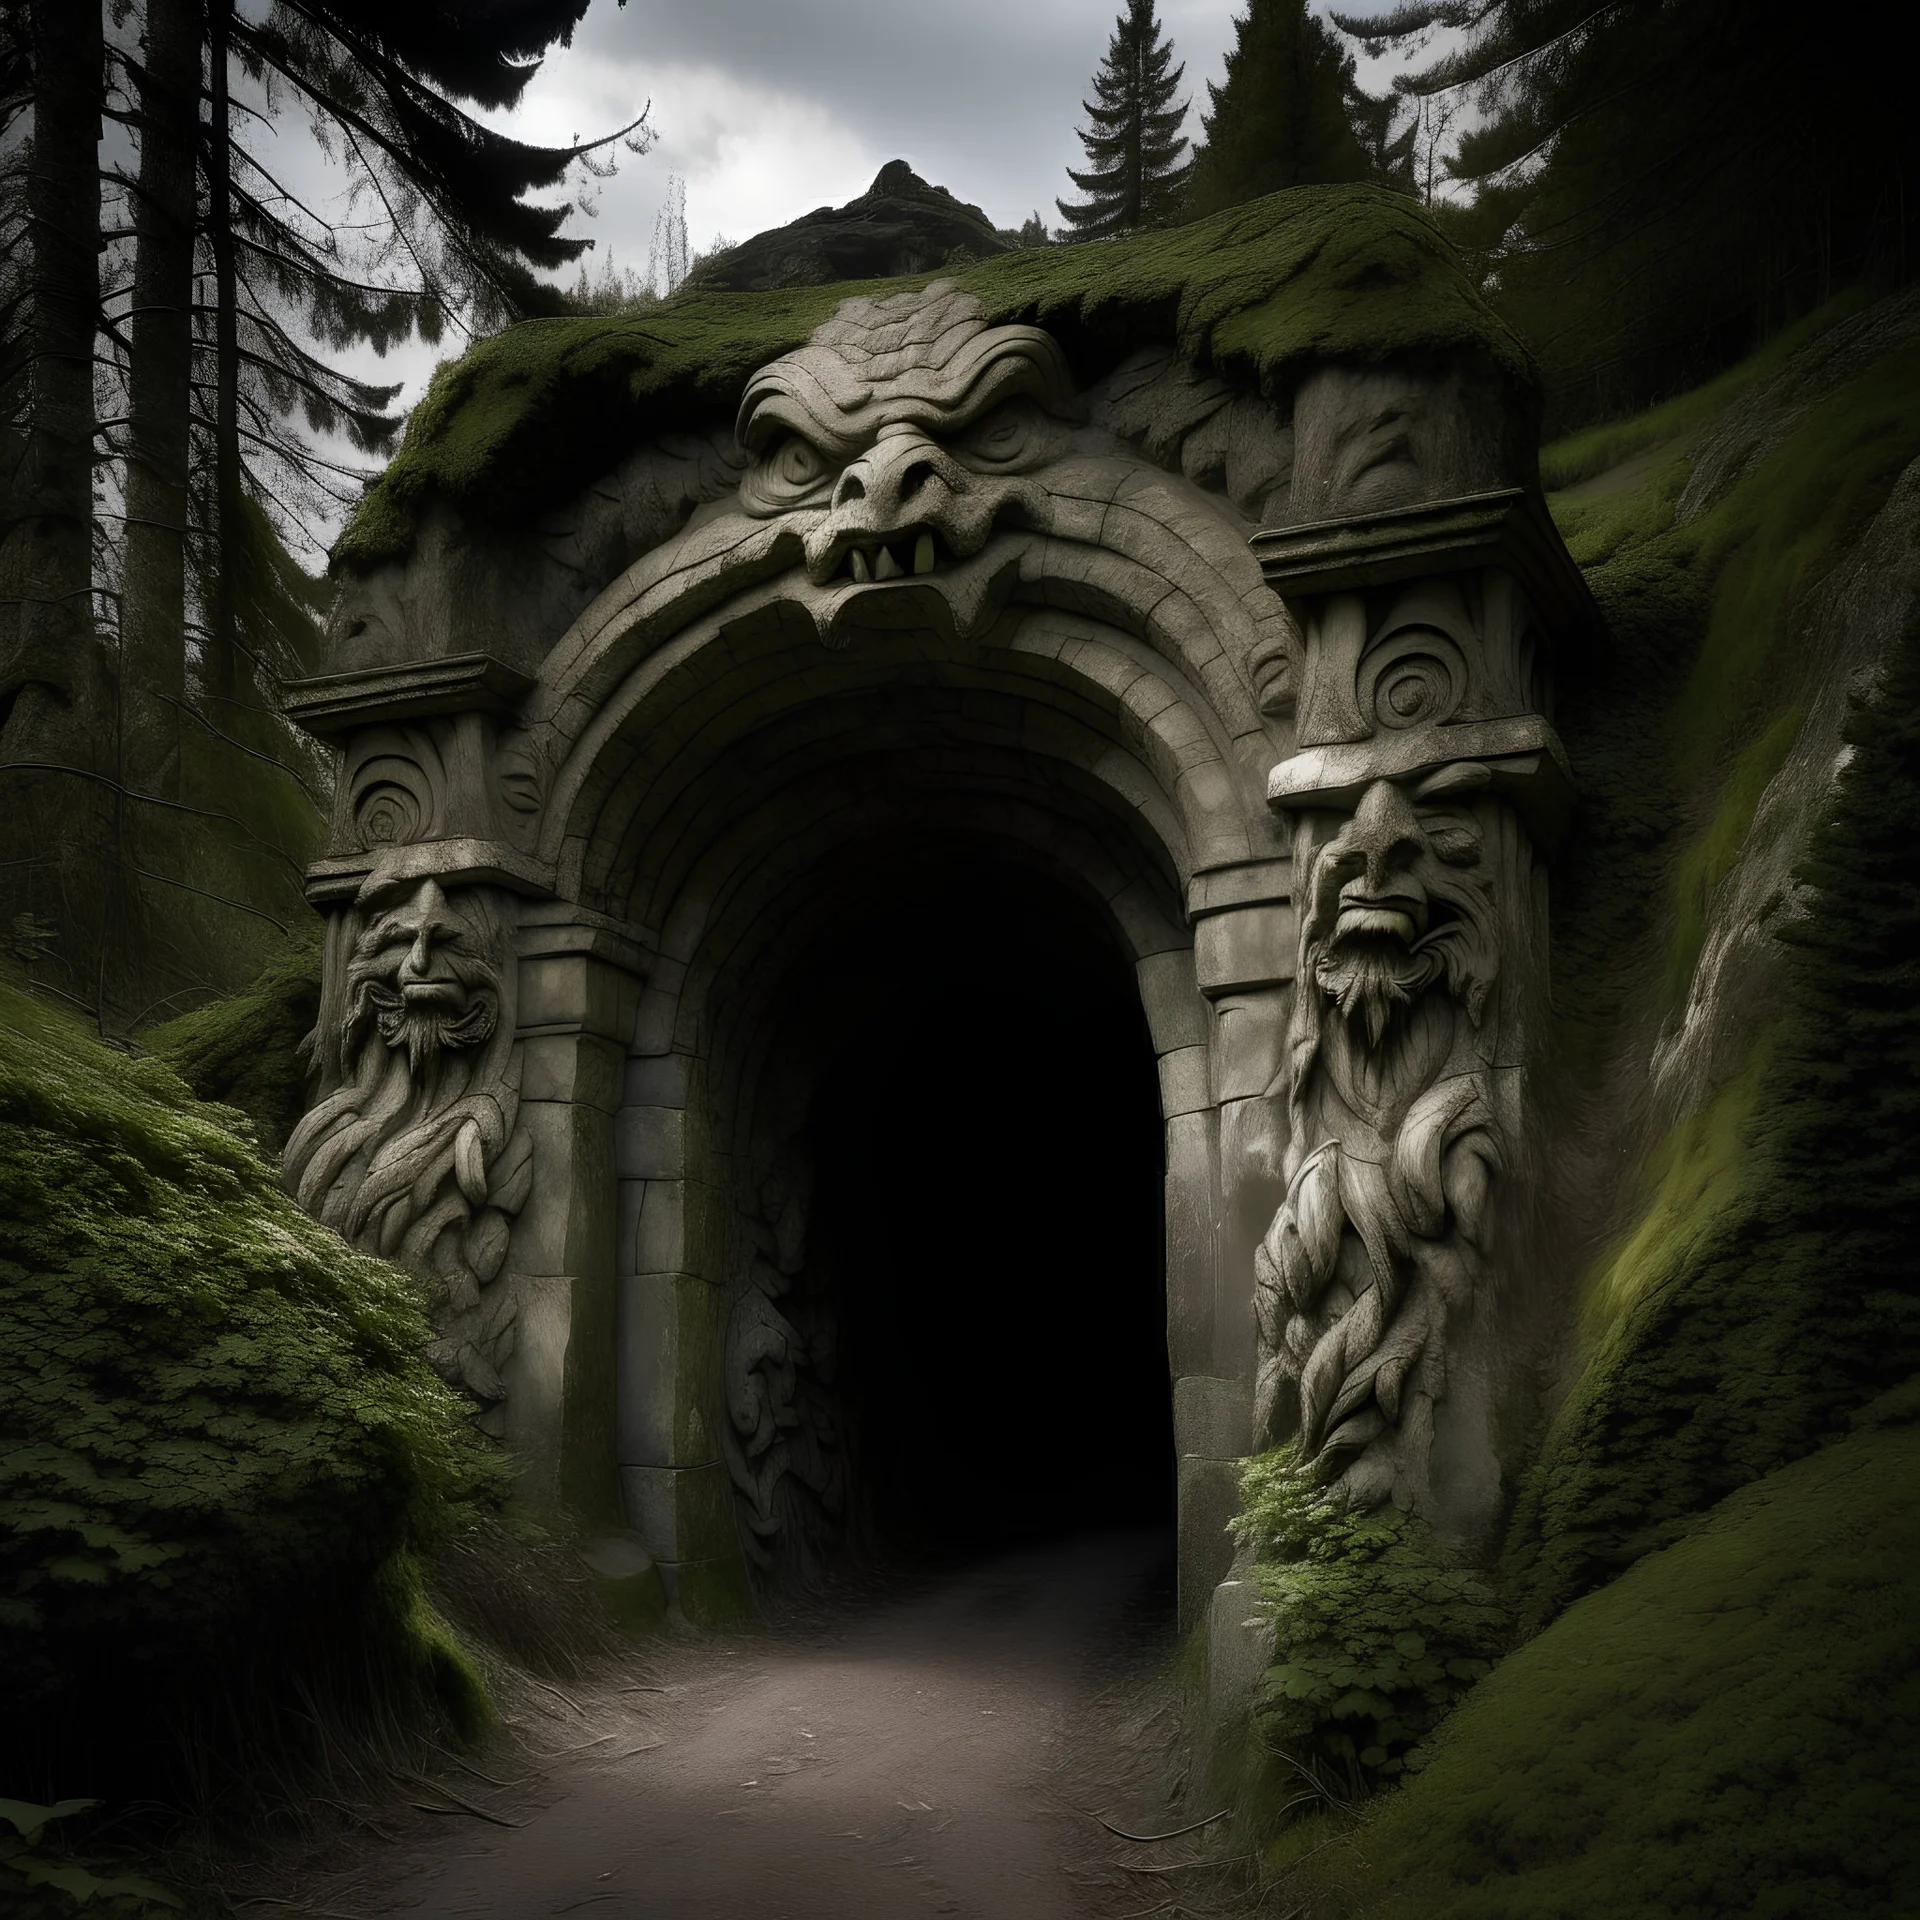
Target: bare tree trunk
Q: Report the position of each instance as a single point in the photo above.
(220, 677)
(154, 586)
(56, 720)
(46, 687)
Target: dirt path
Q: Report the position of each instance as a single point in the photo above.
(940, 1754)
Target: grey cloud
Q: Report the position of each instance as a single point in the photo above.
(982, 97)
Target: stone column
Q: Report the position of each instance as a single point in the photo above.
(579, 987)
(1242, 960)
(1426, 792)
(672, 1271)
(473, 1037)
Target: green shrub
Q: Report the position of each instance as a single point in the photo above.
(220, 1447)
(41, 1877)
(1378, 1628)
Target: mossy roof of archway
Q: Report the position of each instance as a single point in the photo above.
(525, 419)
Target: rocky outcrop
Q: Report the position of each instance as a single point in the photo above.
(901, 224)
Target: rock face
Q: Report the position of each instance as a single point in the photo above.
(901, 224)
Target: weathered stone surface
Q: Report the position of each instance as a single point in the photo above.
(1426, 791)
(934, 590)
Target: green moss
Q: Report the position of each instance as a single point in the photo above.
(1705, 865)
(1695, 1178)
(247, 1051)
(1768, 1287)
(1728, 1728)
(219, 1442)
(1578, 457)
(716, 1593)
(1378, 1628)
(1774, 536)
(1676, 724)
(529, 417)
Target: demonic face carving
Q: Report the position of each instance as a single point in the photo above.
(904, 432)
(1397, 902)
(422, 977)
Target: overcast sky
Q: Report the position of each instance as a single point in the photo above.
(769, 108)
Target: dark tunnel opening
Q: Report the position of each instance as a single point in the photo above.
(988, 1215)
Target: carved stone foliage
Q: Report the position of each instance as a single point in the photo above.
(1423, 781)
(414, 1151)
(785, 1442)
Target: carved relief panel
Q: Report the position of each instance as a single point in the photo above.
(414, 1150)
(1426, 792)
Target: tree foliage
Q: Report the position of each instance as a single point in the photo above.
(178, 429)
(1135, 176)
(1283, 117)
(1658, 184)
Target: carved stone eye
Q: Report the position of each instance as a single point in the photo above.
(795, 464)
(1001, 438)
(1454, 844)
(1418, 679)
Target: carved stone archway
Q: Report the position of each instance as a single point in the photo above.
(1194, 655)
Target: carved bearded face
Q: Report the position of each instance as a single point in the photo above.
(1399, 902)
(421, 978)
(901, 435)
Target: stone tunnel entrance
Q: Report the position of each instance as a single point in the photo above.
(772, 858)
(985, 1225)
(894, 1155)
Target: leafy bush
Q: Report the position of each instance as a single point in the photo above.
(1378, 1627)
(41, 1878)
(220, 1447)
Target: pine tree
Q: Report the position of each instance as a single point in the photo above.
(1283, 118)
(1659, 184)
(1135, 176)
(381, 84)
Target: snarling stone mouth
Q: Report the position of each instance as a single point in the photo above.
(900, 556)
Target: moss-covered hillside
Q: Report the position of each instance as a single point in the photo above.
(527, 418)
(1735, 962)
(1728, 1728)
(220, 1447)
(1713, 1562)
(248, 1050)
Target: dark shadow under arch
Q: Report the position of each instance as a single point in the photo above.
(987, 1210)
